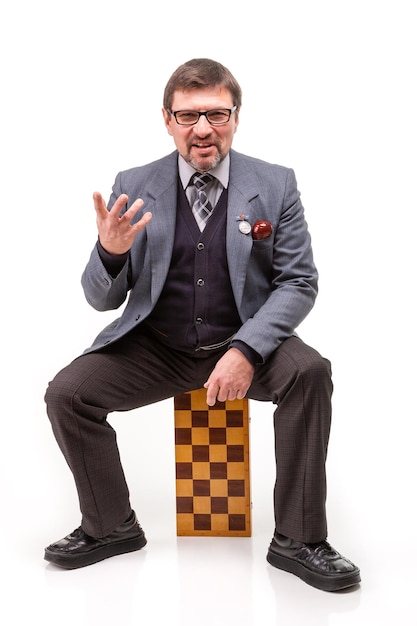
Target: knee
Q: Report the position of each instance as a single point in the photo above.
(316, 365)
(317, 385)
(308, 364)
(58, 394)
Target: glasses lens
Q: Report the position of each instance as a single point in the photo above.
(218, 116)
(186, 117)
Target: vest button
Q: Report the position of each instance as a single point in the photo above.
(200, 246)
(199, 320)
(200, 282)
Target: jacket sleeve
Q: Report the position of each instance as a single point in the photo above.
(292, 288)
(103, 291)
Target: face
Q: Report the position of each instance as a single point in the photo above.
(202, 145)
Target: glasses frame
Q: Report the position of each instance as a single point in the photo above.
(204, 113)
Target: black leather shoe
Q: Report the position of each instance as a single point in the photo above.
(318, 564)
(79, 549)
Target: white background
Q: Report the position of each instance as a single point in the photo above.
(329, 90)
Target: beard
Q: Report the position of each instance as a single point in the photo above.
(204, 164)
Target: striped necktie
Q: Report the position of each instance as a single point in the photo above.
(202, 208)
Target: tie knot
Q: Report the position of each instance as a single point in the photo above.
(202, 180)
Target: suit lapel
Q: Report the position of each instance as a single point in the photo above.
(243, 189)
(162, 188)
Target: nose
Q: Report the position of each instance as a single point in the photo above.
(203, 126)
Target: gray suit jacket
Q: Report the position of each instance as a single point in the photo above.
(274, 280)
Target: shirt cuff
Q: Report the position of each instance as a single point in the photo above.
(253, 357)
(112, 262)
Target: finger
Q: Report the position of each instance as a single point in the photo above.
(132, 210)
(118, 205)
(211, 393)
(101, 207)
(223, 395)
(99, 204)
(232, 395)
(144, 221)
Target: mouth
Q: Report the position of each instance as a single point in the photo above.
(203, 148)
(202, 145)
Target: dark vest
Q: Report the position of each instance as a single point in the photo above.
(196, 308)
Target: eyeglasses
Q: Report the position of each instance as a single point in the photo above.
(215, 117)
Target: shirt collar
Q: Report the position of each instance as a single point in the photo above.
(220, 172)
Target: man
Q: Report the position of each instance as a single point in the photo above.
(219, 272)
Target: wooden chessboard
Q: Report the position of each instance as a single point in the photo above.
(212, 466)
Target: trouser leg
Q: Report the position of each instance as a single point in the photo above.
(132, 373)
(298, 380)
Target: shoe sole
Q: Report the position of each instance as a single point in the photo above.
(74, 561)
(325, 583)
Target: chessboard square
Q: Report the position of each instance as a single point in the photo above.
(237, 505)
(236, 471)
(199, 400)
(235, 454)
(201, 504)
(236, 488)
(218, 454)
(218, 488)
(201, 487)
(217, 419)
(183, 454)
(182, 402)
(200, 436)
(234, 419)
(185, 505)
(218, 470)
(184, 488)
(182, 419)
(219, 505)
(217, 436)
(200, 453)
(237, 522)
(220, 524)
(235, 436)
(199, 419)
(202, 522)
(182, 436)
(184, 470)
(185, 523)
(201, 471)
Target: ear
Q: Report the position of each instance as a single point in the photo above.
(167, 120)
(236, 114)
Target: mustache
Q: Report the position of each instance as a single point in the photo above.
(207, 141)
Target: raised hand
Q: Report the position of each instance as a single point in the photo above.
(115, 232)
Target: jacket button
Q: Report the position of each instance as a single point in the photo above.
(200, 246)
(199, 320)
(200, 282)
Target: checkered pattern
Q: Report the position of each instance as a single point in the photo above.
(212, 466)
(202, 208)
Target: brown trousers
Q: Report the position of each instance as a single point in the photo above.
(138, 370)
